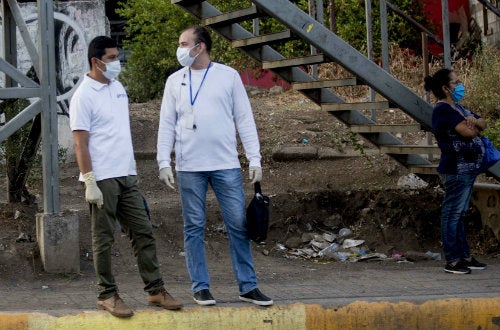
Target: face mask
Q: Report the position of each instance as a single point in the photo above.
(458, 93)
(113, 69)
(183, 56)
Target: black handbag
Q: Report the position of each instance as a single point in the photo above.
(258, 216)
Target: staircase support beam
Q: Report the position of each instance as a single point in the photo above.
(334, 47)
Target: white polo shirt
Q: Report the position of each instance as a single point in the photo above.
(102, 110)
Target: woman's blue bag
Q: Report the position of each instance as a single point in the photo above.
(491, 154)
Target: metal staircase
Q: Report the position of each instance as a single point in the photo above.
(332, 48)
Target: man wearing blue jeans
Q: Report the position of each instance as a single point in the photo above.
(204, 105)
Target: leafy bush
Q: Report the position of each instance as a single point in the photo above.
(153, 29)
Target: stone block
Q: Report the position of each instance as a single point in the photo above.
(58, 239)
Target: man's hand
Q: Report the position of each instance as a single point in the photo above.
(255, 174)
(93, 194)
(167, 177)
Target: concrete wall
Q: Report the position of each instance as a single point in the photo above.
(492, 36)
(76, 23)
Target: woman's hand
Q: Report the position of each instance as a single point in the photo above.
(471, 122)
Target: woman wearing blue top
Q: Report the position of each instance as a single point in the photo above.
(457, 131)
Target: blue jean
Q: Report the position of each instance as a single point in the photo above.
(457, 193)
(228, 188)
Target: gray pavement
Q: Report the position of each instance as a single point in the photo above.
(298, 281)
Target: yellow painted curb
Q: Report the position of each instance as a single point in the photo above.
(13, 321)
(476, 313)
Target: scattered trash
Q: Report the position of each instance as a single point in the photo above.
(280, 247)
(304, 140)
(345, 232)
(349, 243)
(45, 287)
(434, 255)
(182, 254)
(17, 214)
(411, 181)
(24, 238)
(221, 228)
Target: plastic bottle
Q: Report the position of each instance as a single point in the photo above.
(329, 250)
(344, 232)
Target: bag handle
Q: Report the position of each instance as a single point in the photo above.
(256, 187)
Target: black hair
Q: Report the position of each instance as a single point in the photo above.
(201, 35)
(436, 82)
(97, 47)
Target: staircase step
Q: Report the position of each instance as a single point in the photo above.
(232, 17)
(353, 81)
(381, 105)
(423, 169)
(263, 40)
(410, 149)
(378, 128)
(184, 3)
(291, 62)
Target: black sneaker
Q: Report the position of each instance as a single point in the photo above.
(203, 297)
(256, 297)
(473, 264)
(459, 268)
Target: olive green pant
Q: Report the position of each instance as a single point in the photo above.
(123, 202)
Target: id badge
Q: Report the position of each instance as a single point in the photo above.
(189, 120)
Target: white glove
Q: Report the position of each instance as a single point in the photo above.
(93, 194)
(255, 174)
(167, 177)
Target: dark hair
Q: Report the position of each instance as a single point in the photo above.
(97, 47)
(436, 82)
(201, 35)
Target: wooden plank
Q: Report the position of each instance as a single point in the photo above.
(232, 17)
(325, 84)
(263, 40)
(385, 128)
(423, 169)
(410, 149)
(291, 62)
(382, 105)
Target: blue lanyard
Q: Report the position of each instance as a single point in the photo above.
(201, 84)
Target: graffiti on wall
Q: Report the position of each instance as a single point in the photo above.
(75, 24)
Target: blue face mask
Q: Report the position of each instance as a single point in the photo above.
(458, 93)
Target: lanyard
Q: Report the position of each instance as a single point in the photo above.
(201, 84)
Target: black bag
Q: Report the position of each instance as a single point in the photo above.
(258, 216)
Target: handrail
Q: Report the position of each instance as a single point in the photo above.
(414, 22)
(488, 5)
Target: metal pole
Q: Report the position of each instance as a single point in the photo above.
(384, 35)
(312, 13)
(369, 42)
(446, 33)
(49, 106)
(425, 63)
(255, 22)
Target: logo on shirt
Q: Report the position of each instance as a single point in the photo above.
(121, 95)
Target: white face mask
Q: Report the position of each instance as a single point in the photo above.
(183, 56)
(113, 69)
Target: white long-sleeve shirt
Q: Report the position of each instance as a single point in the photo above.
(205, 133)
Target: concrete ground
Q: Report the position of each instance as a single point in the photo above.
(356, 296)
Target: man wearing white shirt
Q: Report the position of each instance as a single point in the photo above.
(99, 120)
(204, 105)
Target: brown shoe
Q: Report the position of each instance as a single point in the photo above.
(165, 300)
(115, 306)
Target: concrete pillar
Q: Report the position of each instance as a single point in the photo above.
(58, 239)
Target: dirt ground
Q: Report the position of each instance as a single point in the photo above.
(309, 198)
